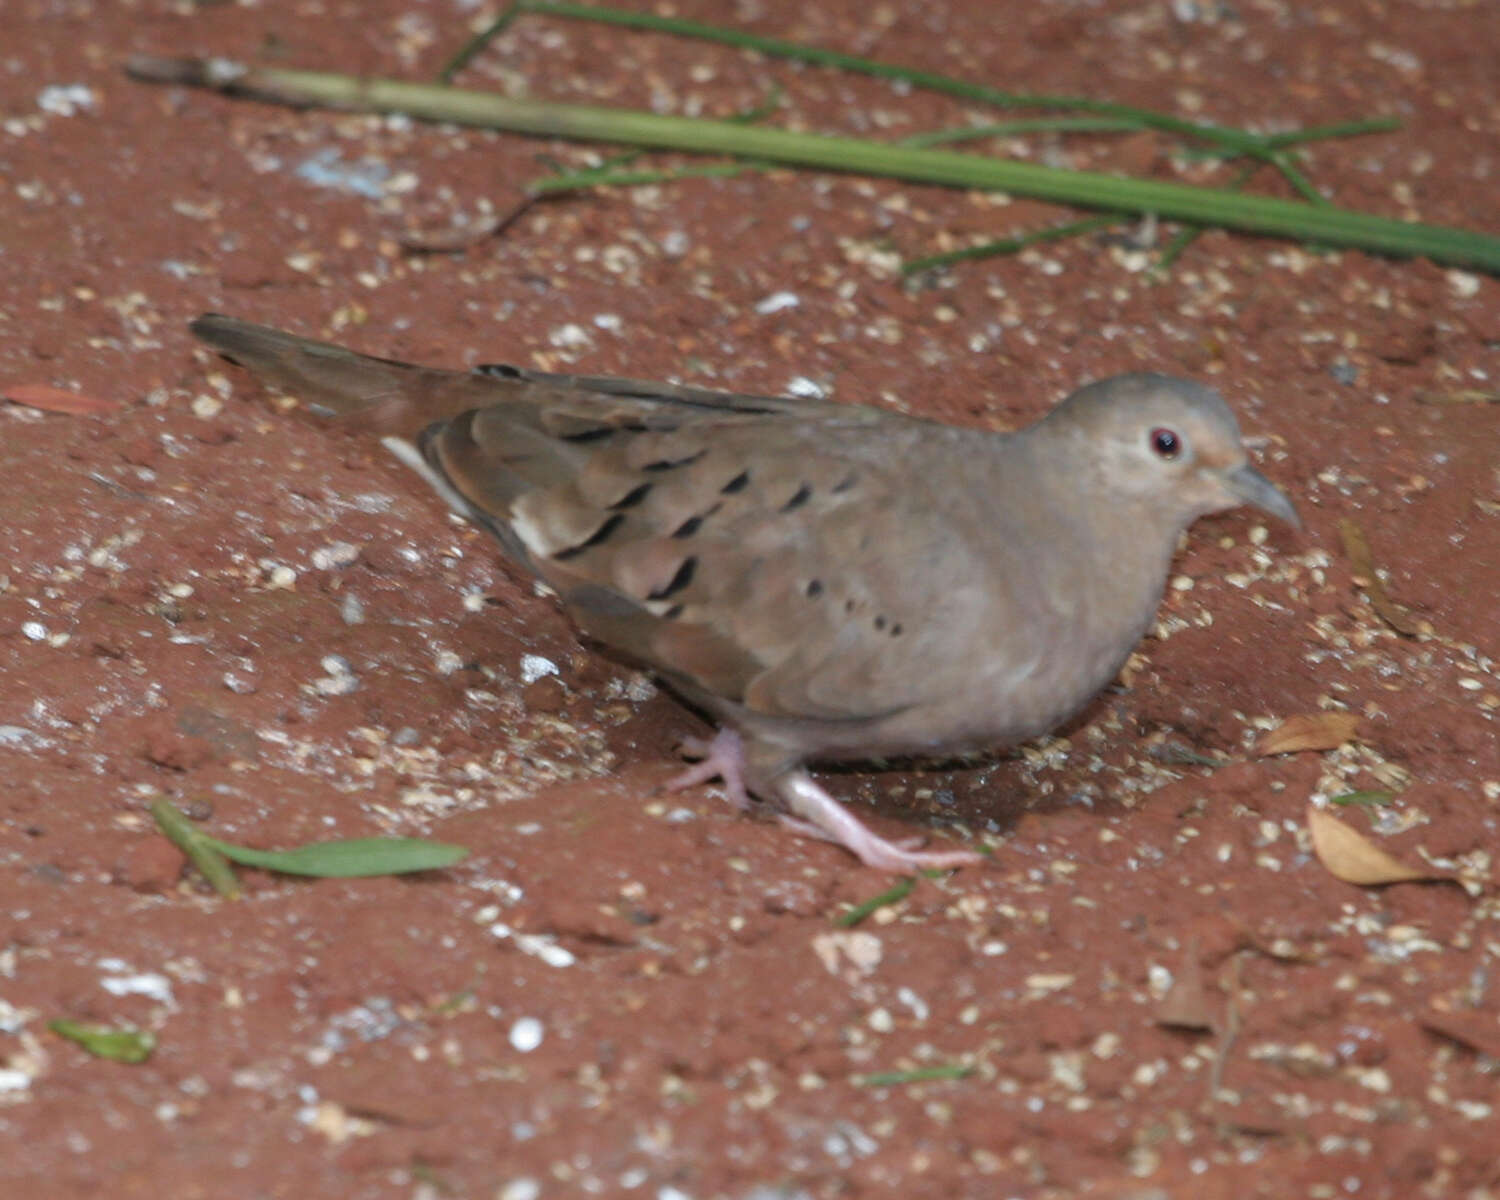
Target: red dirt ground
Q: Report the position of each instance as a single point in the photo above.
(205, 600)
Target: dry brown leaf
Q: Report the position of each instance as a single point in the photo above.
(1309, 731)
(1357, 550)
(1352, 857)
(54, 399)
(1185, 1006)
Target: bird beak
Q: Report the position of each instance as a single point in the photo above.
(1249, 486)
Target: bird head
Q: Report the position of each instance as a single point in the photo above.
(1165, 446)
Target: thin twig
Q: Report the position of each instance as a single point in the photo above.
(1010, 245)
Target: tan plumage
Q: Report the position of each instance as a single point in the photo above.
(831, 581)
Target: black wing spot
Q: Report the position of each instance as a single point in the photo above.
(814, 588)
(499, 371)
(695, 522)
(672, 613)
(879, 622)
(678, 581)
(667, 464)
(587, 435)
(849, 605)
(800, 497)
(633, 497)
(738, 484)
(896, 629)
(599, 535)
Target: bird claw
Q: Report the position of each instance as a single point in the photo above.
(722, 759)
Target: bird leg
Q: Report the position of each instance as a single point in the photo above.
(813, 812)
(817, 814)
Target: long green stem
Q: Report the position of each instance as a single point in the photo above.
(1324, 224)
(608, 176)
(1186, 237)
(970, 133)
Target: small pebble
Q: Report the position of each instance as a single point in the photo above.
(1463, 283)
(777, 301)
(336, 554)
(526, 1034)
(339, 679)
(570, 337)
(66, 99)
(534, 666)
(805, 388)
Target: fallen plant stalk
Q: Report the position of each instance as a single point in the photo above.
(1323, 224)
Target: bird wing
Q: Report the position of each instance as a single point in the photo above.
(754, 550)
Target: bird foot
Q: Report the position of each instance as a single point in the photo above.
(814, 813)
(817, 814)
(722, 759)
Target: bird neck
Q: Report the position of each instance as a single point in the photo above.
(1120, 547)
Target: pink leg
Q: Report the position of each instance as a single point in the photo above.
(815, 813)
(723, 758)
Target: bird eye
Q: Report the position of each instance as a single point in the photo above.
(1165, 443)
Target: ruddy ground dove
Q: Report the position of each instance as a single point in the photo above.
(830, 581)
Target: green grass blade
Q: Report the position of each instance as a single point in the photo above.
(478, 42)
(1010, 245)
(892, 895)
(608, 177)
(198, 846)
(1225, 139)
(1177, 247)
(1237, 139)
(349, 859)
(972, 133)
(1343, 129)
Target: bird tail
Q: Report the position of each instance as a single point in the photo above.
(380, 394)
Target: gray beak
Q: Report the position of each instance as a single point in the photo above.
(1251, 487)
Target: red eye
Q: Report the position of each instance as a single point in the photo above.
(1166, 443)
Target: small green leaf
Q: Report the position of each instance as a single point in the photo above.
(920, 1075)
(117, 1045)
(1369, 798)
(463, 1001)
(349, 859)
